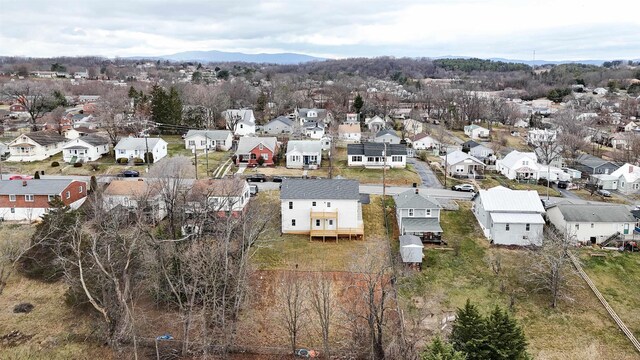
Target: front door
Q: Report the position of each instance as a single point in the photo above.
(626, 229)
(593, 240)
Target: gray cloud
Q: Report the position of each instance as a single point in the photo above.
(340, 28)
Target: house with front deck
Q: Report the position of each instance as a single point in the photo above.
(418, 214)
(461, 164)
(85, 149)
(322, 208)
(35, 146)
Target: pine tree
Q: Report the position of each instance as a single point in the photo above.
(159, 104)
(440, 350)
(358, 103)
(468, 334)
(174, 107)
(505, 338)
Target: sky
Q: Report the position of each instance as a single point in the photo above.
(513, 29)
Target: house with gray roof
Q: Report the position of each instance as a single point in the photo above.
(134, 148)
(305, 115)
(85, 148)
(279, 125)
(305, 154)
(589, 164)
(418, 214)
(322, 208)
(387, 136)
(461, 164)
(208, 139)
(592, 223)
(376, 155)
(251, 149)
(35, 146)
(510, 217)
(29, 200)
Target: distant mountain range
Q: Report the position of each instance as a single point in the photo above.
(223, 56)
(294, 58)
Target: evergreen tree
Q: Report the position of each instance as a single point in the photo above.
(506, 339)
(440, 350)
(468, 334)
(174, 107)
(358, 103)
(159, 102)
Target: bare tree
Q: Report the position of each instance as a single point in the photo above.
(572, 133)
(549, 267)
(10, 251)
(113, 112)
(291, 307)
(35, 97)
(323, 302)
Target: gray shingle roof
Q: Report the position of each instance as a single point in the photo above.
(140, 144)
(387, 132)
(283, 119)
(421, 225)
(411, 249)
(330, 189)
(375, 149)
(248, 143)
(45, 138)
(410, 200)
(595, 213)
(211, 134)
(591, 161)
(304, 146)
(94, 140)
(34, 187)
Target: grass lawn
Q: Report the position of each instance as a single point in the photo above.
(586, 194)
(275, 251)
(405, 176)
(579, 329)
(495, 179)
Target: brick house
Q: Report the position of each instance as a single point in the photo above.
(250, 149)
(29, 199)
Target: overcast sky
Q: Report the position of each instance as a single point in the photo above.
(514, 29)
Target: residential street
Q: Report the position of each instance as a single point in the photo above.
(429, 179)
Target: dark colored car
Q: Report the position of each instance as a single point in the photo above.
(278, 178)
(563, 184)
(129, 173)
(256, 178)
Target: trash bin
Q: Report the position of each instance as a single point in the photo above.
(415, 185)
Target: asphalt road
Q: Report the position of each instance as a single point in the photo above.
(429, 179)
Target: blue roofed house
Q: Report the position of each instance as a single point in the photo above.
(418, 214)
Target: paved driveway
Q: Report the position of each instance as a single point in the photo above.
(429, 179)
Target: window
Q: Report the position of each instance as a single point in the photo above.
(81, 189)
(68, 194)
(293, 222)
(253, 156)
(330, 222)
(329, 204)
(577, 226)
(527, 227)
(592, 225)
(317, 222)
(13, 210)
(428, 212)
(261, 146)
(356, 158)
(203, 142)
(506, 227)
(12, 198)
(28, 198)
(313, 203)
(396, 158)
(51, 197)
(265, 157)
(290, 205)
(370, 159)
(525, 162)
(192, 143)
(410, 212)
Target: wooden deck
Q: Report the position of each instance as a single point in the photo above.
(351, 233)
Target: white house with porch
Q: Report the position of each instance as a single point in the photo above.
(459, 163)
(592, 223)
(325, 208)
(85, 148)
(519, 166)
(35, 146)
(510, 217)
(133, 148)
(376, 155)
(304, 154)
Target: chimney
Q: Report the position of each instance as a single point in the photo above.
(630, 169)
(24, 182)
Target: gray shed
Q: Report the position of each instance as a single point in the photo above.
(411, 249)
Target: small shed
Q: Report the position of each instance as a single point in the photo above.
(411, 250)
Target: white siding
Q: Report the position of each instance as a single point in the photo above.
(301, 213)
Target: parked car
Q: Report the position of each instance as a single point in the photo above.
(307, 353)
(129, 173)
(563, 184)
(20, 177)
(278, 178)
(256, 178)
(603, 192)
(463, 187)
(253, 190)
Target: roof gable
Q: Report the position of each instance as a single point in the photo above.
(329, 189)
(413, 199)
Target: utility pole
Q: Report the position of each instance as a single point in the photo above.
(384, 172)
(146, 154)
(195, 162)
(445, 166)
(206, 151)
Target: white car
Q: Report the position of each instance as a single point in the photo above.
(463, 187)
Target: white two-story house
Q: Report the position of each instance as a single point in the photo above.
(304, 154)
(418, 214)
(376, 155)
(510, 217)
(85, 148)
(519, 166)
(208, 139)
(326, 208)
(242, 122)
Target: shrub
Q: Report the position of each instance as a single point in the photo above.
(77, 164)
(95, 167)
(23, 308)
(122, 160)
(260, 160)
(36, 175)
(138, 161)
(55, 164)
